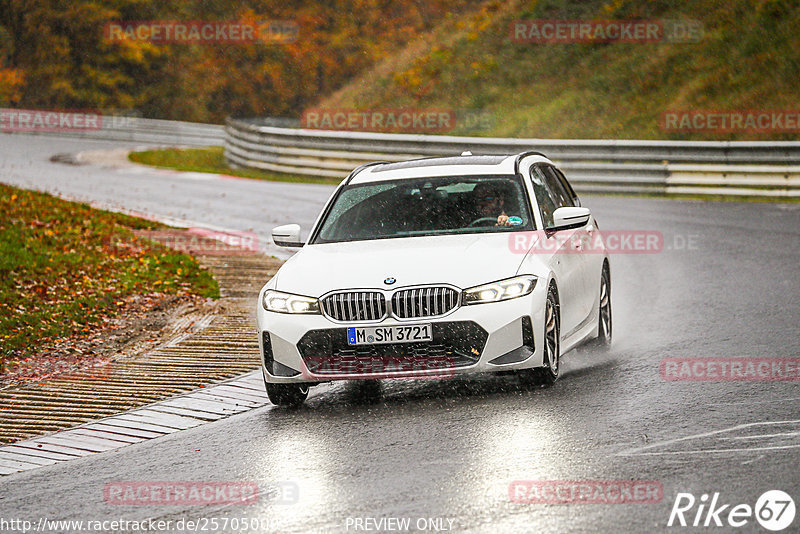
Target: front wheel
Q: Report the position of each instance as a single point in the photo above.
(287, 394)
(605, 324)
(548, 374)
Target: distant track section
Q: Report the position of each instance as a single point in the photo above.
(746, 168)
(95, 125)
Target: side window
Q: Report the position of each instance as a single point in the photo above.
(560, 194)
(571, 192)
(544, 197)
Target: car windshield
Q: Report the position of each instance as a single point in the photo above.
(426, 207)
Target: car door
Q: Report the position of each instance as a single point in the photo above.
(591, 258)
(560, 249)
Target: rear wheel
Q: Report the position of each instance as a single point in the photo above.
(287, 394)
(548, 374)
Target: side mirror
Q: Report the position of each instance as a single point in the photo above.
(570, 217)
(287, 235)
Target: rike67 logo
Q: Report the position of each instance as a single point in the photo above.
(774, 510)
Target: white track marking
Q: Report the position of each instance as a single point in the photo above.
(640, 451)
(764, 436)
(748, 402)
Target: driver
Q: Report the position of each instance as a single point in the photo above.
(489, 202)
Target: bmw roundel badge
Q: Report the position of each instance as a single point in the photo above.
(389, 281)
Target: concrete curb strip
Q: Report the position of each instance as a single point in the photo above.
(148, 422)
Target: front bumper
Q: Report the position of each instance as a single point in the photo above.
(478, 338)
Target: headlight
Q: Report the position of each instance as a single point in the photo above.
(278, 301)
(512, 288)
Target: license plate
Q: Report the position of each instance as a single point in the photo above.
(389, 334)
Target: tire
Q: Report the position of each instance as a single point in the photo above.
(605, 323)
(291, 395)
(548, 374)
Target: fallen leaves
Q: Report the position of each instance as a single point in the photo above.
(66, 269)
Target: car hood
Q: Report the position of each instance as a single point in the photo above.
(462, 260)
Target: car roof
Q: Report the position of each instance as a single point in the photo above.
(442, 166)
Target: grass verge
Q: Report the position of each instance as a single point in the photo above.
(212, 159)
(63, 271)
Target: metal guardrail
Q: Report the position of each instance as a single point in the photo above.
(137, 129)
(761, 168)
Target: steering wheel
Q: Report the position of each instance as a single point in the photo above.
(484, 221)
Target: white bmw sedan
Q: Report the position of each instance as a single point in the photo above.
(434, 267)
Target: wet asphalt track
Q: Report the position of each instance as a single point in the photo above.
(726, 285)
